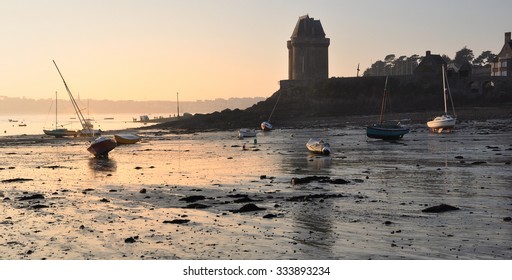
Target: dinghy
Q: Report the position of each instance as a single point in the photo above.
(102, 146)
(127, 138)
(318, 146)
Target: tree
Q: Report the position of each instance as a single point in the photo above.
(464, 55)
(484, 59)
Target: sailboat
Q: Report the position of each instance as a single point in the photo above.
(445, 121)
(266, 126)
(386, 131)
(87, 127)
(59, 132)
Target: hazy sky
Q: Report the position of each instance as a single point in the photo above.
(207, 49)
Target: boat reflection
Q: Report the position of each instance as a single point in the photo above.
(102, 164)
(319, 162)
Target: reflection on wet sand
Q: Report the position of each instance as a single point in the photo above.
(102, 164)
(181, 196)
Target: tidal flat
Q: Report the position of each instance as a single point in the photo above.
(202, 196)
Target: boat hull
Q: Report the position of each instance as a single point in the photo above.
(266, 126)
(385, 132)
(442, 122)
(123, 139)
(318, 146)
(102, 146)
(245, 132)
(60, 133)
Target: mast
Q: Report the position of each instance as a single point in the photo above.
(178, 104)
(56, 101)
(73, 101)
(383, 104)
(444, 92)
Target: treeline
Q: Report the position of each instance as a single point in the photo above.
(404, 65)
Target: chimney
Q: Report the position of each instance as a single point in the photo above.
(507, 37)
(428, 53)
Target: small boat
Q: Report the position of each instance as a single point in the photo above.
(246, 132)
(127, 138)
(60, 132)
(318, 146)
(445, 121)
(266, 126)
(388, 130)
(101, 146)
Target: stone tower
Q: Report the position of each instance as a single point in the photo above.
(308, 51)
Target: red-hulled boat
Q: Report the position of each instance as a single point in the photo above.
(101, 146)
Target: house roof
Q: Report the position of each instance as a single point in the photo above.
(307, 27)
(506, 50)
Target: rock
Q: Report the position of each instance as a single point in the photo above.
(507, 219)
(339, 181)
(193, 198)
(177, 221)
(143, 190)
(309, 179)
(131, 239)
(387, 223)
(270, 216)
(248, 208)
(440, 208)
(104, 200)
(34, 196)
(478, 162)
(16, 180)
(245, 200)
(196, 206)
(39, 206)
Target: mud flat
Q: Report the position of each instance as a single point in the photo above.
(201, 196)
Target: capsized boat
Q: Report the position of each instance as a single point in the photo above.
(386, 130)
(318, 146)
(246, 132)
(445, 121)
(127, 138)
(101, 146)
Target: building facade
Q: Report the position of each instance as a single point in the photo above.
(502, 64)
(308, 57)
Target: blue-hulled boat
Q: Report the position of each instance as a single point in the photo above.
(386, 131)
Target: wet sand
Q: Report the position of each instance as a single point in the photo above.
(184, 196)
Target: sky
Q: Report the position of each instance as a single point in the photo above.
(209, 49)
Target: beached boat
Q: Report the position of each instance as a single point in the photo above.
(59, 132)
(266, 126)
(445, 121)
(386, 130)
(87, 127)
(127, 138)
(318, 146)
(246, 132)
(101, 146)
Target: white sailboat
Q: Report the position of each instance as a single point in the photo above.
(318, 146)
(59, 132)
(87, 127)
(445, 121)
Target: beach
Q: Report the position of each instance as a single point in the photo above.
(202, 196)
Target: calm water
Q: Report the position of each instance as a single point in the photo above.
(36, 123)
